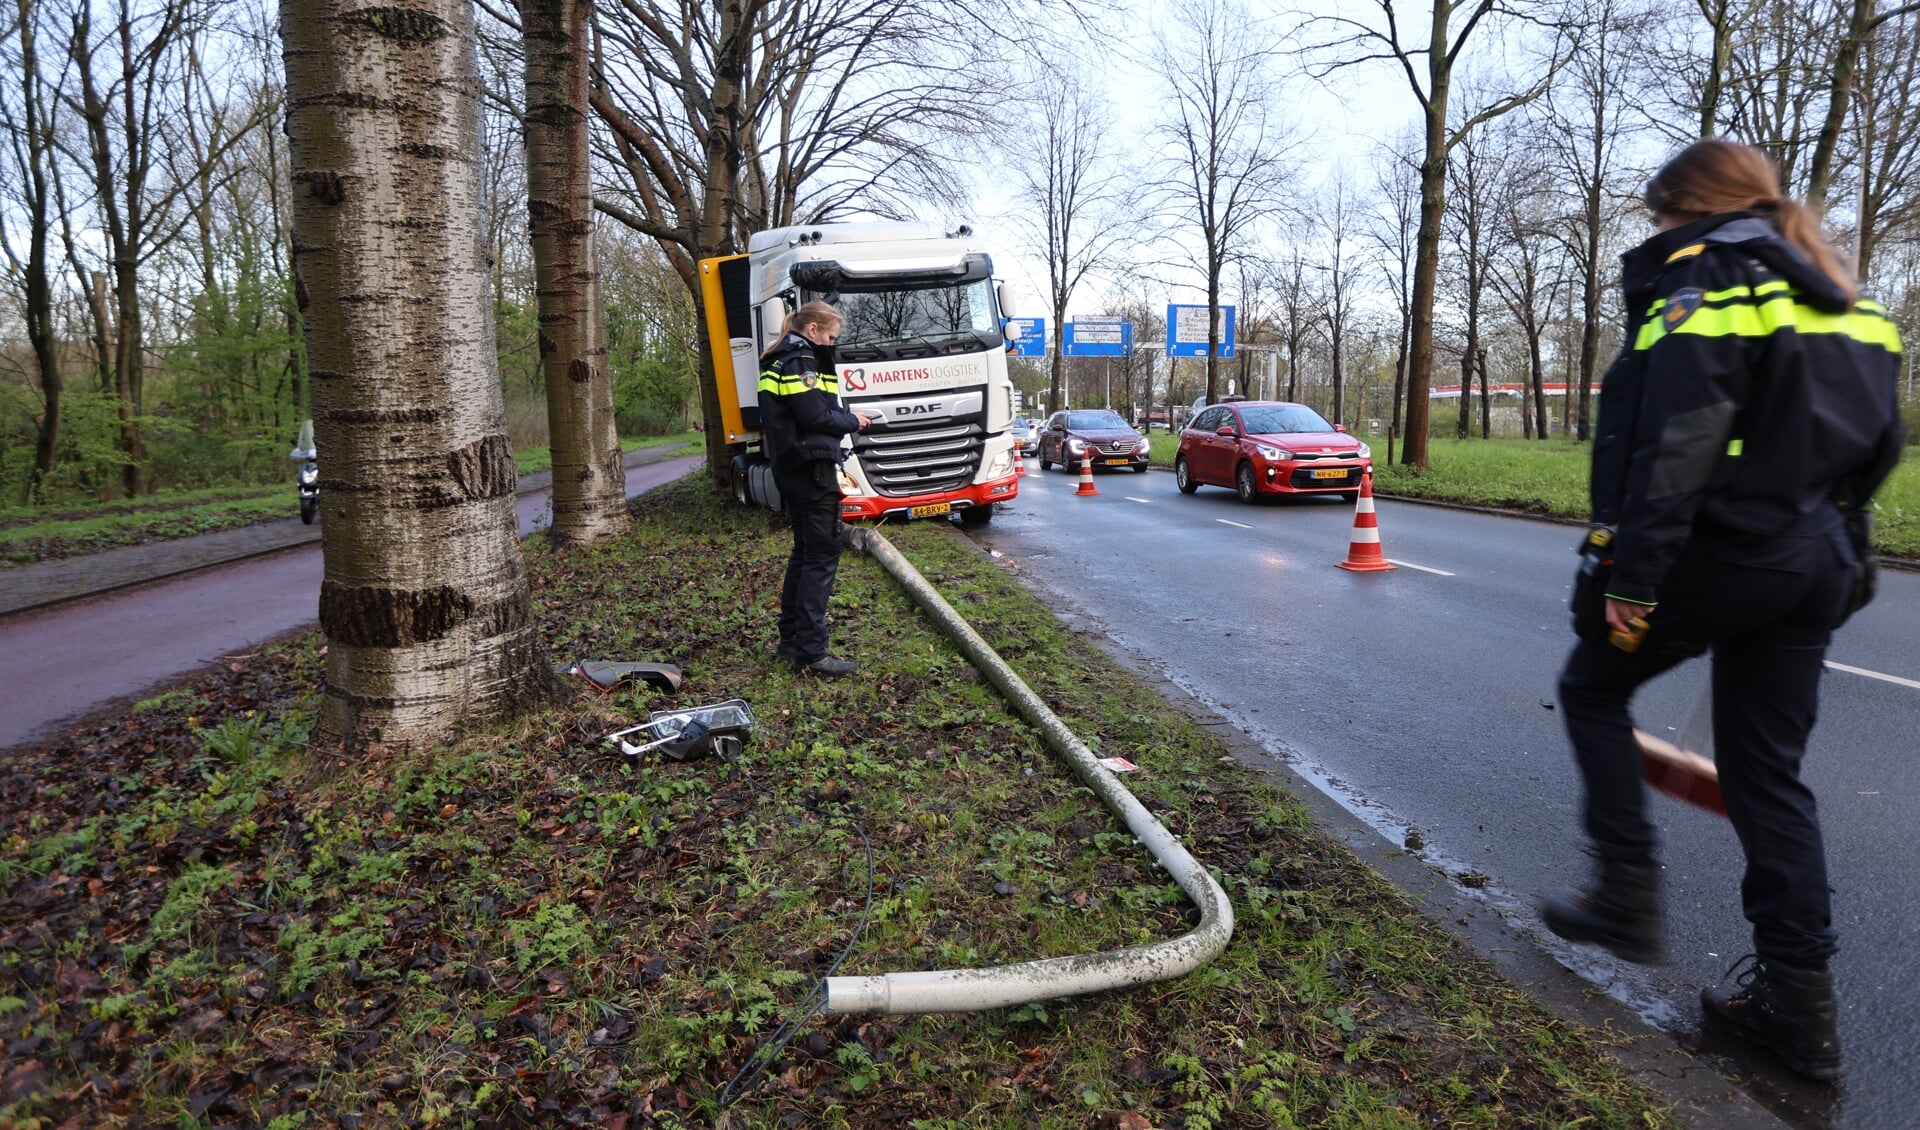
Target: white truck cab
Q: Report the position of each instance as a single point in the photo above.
(921, 351)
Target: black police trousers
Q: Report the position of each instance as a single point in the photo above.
(1766, 607)
(814, 510)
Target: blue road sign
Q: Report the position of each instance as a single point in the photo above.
(1089, 336)
(1026, 337)
(1187, 331)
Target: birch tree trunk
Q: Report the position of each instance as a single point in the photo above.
(589, 471)
(425, 599)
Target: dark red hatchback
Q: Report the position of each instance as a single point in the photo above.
(1269, 447)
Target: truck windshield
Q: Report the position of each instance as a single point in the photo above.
(892, 317)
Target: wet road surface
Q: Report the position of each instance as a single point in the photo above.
(1420, 699)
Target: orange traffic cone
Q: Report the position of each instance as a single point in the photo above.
(1363, 552)
(1086, 476)
(1019, 468)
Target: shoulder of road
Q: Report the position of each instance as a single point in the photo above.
(55, 582)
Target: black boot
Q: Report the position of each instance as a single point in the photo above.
(1621, 912)
(1788, 1009)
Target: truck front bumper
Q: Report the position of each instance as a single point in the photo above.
(861, 507)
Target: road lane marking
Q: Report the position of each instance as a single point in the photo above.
(1874, 675)
(1241, 525)
(1130, 498)
(1422, 568)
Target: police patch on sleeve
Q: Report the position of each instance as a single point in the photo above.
(1680, 306)
(811, 380)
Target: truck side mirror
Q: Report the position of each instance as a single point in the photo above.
(1004, 295)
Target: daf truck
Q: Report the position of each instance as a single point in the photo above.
(921, 352)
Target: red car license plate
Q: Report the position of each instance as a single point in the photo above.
(1330, 473)
(1115, 462)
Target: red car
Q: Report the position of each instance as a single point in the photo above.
(1269, 447)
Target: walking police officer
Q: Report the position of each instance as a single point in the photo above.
(803, 423)
(1747, 423)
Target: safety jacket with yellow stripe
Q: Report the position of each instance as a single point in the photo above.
(801, 420)
(1750, 394)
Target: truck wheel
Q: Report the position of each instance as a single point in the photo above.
(309, 510)
(977, 515)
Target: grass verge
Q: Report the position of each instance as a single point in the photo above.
(1550, 479)
(28, 535)
(201, 923)
(527, 460)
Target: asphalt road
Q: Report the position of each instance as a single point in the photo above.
(1422, 698)
(71, 659)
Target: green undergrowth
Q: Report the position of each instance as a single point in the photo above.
(206, 924)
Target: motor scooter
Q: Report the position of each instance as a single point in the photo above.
(309, 478)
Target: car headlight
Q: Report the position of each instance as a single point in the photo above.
(1076, 446)
(1366, 452)
(1273, 454)
(1145, 446)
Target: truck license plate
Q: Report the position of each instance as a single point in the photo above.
(1330, 473)
(931, 509)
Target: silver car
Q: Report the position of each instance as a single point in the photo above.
(1026, 437)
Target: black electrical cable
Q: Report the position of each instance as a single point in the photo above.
(811, 1005)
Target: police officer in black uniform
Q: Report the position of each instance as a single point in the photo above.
(802, 424)
(1748, 421)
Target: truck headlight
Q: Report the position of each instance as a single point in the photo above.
(847, 485)
(1002, 465)
(1273, 454)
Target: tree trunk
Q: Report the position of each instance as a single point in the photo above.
(36, 170)
(1718, 18)
(1839, 91)
(589, 471)
(1426, 272)
(425, 599)
(1486, 394)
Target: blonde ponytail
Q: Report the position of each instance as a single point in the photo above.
(1713, 177)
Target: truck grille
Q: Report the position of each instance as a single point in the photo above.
(903, 458)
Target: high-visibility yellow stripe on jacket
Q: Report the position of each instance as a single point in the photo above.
(1764, 310)
(779, 384)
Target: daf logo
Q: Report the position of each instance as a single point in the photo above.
(918, 409)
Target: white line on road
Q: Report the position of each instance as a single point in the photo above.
(1874, 675)
(1241, 525)
(1422, 568)
(1130, 498)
